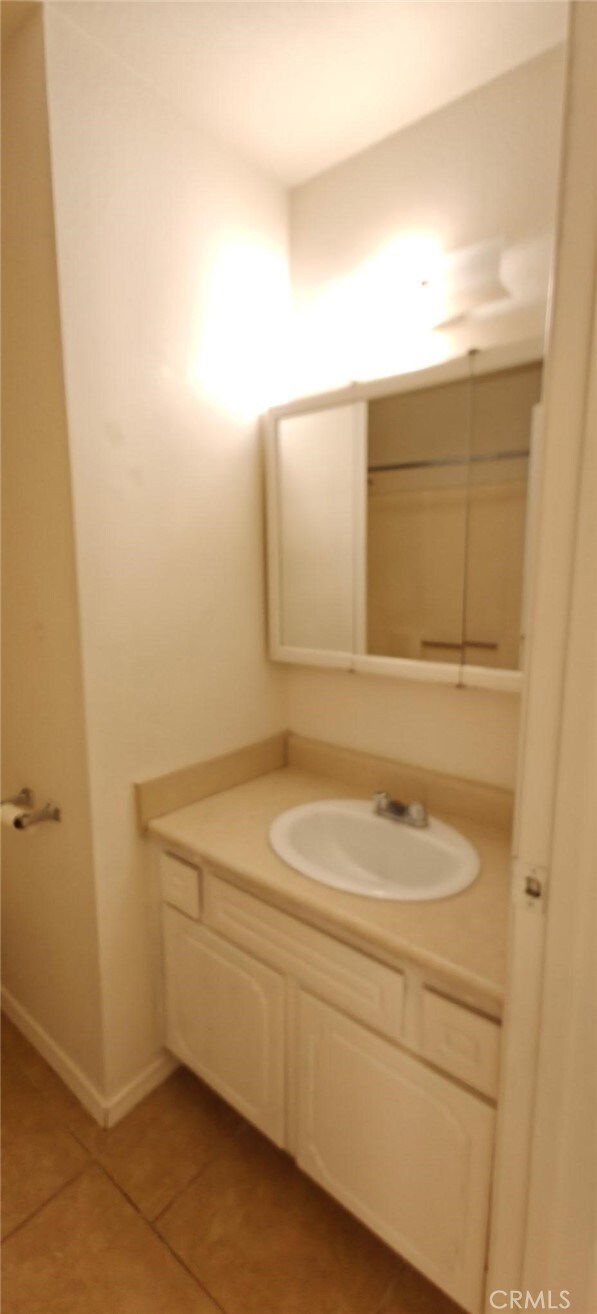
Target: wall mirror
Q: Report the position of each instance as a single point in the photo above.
(398, 521)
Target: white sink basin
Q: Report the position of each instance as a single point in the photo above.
(344, 843)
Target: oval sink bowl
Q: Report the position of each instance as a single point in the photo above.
(344, 843)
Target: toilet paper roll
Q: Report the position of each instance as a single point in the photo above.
(11, 814)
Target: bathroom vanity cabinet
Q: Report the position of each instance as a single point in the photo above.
(380, 1086)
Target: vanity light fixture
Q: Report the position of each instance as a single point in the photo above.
(467, 281)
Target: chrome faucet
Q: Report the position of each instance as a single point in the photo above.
(410, 814)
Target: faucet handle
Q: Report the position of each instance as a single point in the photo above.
(380, 800)
(418, 814)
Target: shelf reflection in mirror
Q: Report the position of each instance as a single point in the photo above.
(446, 509)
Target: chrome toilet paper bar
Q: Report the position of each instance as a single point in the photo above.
(20, 811)
(50, 813)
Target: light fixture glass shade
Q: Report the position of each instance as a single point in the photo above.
(469, 279)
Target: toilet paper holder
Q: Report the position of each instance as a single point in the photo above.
(26, 799)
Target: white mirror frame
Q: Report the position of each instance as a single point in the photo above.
(488, 361)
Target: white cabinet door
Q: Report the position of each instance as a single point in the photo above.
(405, 1149)
(225, 1017)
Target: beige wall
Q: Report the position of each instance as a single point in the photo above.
(469, 733)
(437, 177)
(484, 167)
(166, 476)
(50, 938)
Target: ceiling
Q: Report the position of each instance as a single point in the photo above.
(296, 87)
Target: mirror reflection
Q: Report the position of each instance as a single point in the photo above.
(446, 505)
(398, 520)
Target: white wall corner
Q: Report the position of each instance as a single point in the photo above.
(135, 1090)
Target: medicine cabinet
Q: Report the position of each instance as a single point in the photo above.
(398, 521)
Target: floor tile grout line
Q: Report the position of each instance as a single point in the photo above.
(49, 1200)
(121, 1189)
(188, 1270)
(177, 1194)
(238, 1134)
(93, 1157)
(62, 1123)
(93, 1162)
(149, 1223)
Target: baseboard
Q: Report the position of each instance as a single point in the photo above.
(87, 1094)
(107, 1111)
(140, 1086)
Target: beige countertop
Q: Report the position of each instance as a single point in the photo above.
(458, 942)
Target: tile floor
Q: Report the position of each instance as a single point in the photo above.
(181, 1209)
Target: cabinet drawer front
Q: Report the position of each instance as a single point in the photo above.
(357, 984)
(225, 1017)
(179, 884)
(400, 1146)
(462, 1042)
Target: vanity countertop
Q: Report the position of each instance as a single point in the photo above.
(459, 942)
